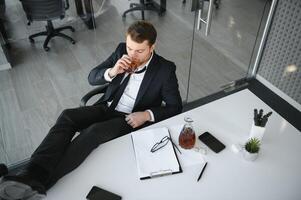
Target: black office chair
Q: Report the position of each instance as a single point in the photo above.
(96, 91)
(147, 5)
(47, 10)
(102, 89)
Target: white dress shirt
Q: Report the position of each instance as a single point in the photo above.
(128, 98)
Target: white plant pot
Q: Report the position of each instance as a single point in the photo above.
(249, 156)
(257, 132)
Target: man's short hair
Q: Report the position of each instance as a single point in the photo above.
(140, 31)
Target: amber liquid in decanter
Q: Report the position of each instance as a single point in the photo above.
(187, 136)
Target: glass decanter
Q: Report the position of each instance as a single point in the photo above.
(187, 135)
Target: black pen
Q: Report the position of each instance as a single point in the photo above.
(202, 171)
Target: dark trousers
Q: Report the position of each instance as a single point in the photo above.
(59, 153)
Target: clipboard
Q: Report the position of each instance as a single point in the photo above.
(160, 163)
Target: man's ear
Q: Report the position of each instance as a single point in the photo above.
(153, 47)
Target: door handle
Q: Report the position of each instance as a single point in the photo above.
(207, 21)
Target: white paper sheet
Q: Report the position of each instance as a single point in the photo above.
(162, 161)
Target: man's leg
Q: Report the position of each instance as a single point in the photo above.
(52, 148)
(48, 154)
(84, 143)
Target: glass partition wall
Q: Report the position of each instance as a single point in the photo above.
(43, 83)
(225, 38)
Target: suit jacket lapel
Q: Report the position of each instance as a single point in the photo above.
(150, 73)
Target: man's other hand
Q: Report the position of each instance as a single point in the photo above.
(120, 66)
(137, 119)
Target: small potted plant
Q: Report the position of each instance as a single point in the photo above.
(251, 149)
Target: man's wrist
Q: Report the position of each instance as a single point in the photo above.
(150, 116)
(111, 74)
(147, 116)
(107, 76)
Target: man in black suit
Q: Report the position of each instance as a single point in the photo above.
(132, 100)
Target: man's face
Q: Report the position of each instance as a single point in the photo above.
(139, 51)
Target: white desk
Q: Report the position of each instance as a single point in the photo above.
(276, 174)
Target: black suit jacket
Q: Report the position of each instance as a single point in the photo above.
(159, 84)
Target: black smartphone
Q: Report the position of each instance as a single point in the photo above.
(97, 193)
(211, 141)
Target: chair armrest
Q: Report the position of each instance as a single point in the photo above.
(98, 90)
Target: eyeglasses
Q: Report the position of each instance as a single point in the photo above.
(163, 142)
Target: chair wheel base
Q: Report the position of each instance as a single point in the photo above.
(52, 32)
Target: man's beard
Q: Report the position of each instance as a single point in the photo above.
(139, 62)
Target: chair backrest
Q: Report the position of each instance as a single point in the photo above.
(43, 10)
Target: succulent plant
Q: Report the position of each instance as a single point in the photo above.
(252, 145)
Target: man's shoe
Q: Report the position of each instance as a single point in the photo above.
(21, 187)
(12, 190)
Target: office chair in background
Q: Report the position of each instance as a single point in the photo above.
(147, 5)
(47, 10)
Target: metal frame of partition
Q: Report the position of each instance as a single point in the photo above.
(253, 71)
